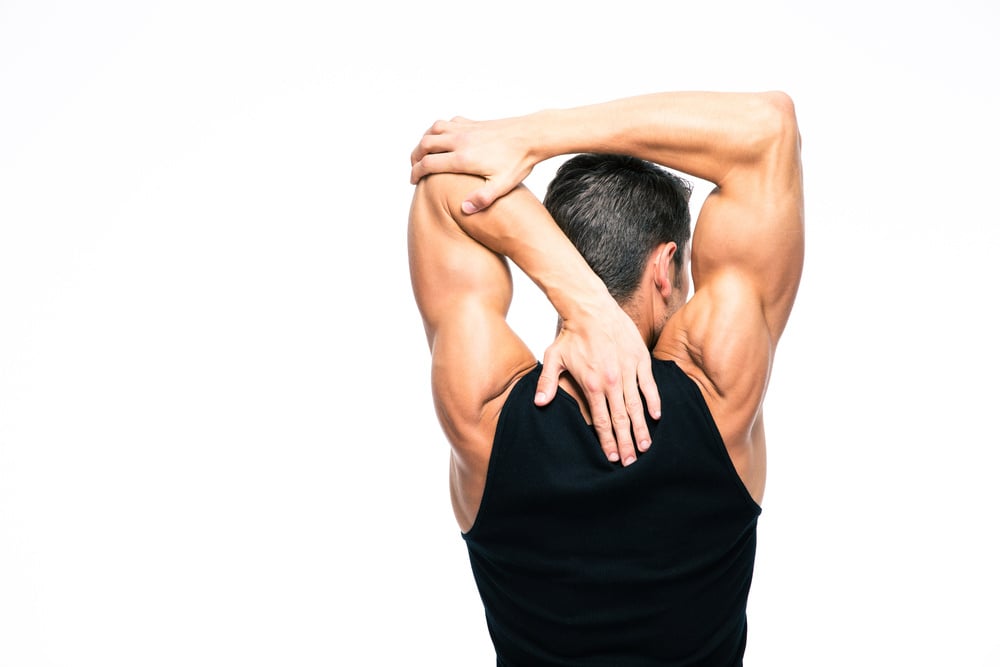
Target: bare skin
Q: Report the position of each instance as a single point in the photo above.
(745, 261)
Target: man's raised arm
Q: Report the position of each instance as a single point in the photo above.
(610, 359)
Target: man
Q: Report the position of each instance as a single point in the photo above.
(641, 555)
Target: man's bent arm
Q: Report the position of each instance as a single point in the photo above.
(463, 292)
(608, 355)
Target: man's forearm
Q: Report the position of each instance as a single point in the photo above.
(518, 227)
(598, 345)
(703, 134)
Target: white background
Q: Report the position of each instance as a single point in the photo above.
(216, 441)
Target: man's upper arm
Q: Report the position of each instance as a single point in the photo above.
(751, 227)
(463, 291)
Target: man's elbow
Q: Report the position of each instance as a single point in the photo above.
(447, 190)
(770, 131)
(781, 124)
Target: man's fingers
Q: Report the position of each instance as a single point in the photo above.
(622, 425)
(611, 420)
(432, 143)
(601, 421)
(548, 382)
(647, 385)
(434, 163)
(637, 417)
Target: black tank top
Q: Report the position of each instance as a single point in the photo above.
(583, 562)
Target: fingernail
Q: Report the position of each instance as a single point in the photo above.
(613, 456)
(655, 415)
(630, 460)
(468, 208)
(644, 445)
(539, 397)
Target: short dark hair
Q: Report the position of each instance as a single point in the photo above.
(616, 209)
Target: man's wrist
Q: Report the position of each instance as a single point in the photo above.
(586, 304)
(546, 136)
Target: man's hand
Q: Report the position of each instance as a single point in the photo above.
(497, 150)
(610, 362)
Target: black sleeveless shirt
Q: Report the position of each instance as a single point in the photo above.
(581, 562)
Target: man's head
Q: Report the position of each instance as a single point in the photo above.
(622, 214)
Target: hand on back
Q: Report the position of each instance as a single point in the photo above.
(611, 364)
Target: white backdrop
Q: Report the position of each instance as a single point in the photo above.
(216, 441)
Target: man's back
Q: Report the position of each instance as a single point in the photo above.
(580, 561)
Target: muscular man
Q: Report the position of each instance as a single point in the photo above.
(642, 554)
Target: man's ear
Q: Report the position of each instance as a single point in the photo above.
(663, 271)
